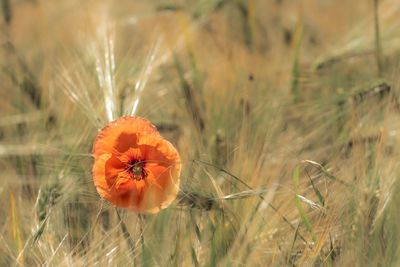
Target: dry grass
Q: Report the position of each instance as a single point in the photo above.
(285, 114)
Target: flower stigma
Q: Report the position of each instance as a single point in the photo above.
(136, 170)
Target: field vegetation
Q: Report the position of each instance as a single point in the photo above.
(285, 115)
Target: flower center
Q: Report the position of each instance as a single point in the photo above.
(136, 170)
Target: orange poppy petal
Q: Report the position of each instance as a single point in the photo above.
(130, 153)
(156, 197)
(159, 149)
(134, 166)
(123, 193)
(128, 195)
(113, 167)
(162, 189)
(118, 135)
(99, 176)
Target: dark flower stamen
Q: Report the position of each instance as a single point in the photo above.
(136, 170)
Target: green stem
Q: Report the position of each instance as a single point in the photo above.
(378, 49)
(145, 254)
(126, 233)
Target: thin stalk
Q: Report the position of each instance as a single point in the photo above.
(378, 48)
(126, 233)
(7, 11)
(286, 220)
(295, 83)
(145, 254)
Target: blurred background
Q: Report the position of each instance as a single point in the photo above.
(285, 114)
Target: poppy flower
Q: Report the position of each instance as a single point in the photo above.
(134, 166)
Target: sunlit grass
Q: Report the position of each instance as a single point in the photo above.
(285, 116)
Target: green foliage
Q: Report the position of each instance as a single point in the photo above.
(287, 132)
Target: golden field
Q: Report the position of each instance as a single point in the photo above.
(284, 113)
